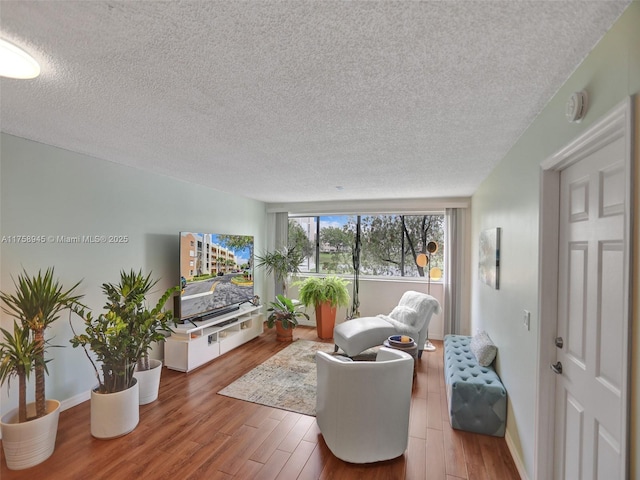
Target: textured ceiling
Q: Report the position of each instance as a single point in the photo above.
(287, 100)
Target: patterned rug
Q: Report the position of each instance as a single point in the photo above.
(287, 380)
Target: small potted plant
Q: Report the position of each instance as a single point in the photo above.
(284, 314)
(119, 338)
(29, 433)
(282, 262)
(325, 294)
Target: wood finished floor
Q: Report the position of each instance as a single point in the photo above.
(190, 432)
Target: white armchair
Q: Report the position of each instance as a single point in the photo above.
(362, 408)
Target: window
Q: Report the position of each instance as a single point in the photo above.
(390, 245)
(302, 235)
(337, 239)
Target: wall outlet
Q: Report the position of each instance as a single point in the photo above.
(526, 319)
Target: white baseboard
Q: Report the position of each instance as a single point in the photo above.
(73, 401)
(516, 457)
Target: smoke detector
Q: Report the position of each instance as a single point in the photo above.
(576, 107)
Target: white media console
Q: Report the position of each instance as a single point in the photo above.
(193, 345)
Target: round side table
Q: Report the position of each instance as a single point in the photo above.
(410, 348)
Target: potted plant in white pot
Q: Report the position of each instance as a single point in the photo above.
(29, 432)
(151, 326)
(325, 294)
(118, 341)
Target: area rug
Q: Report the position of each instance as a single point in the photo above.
(287, 380)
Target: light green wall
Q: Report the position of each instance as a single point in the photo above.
(509, 199)
(49, 191)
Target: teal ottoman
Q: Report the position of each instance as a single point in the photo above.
(476, 397)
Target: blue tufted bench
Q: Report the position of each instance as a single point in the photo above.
(476, 397)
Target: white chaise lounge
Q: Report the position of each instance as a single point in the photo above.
(410, 317)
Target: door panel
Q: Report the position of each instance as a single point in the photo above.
(609, 336)
(607, 462)
(579, 207)
(574, 428)
(575, 334)
(612, 199)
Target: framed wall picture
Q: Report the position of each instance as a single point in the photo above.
(489, 263)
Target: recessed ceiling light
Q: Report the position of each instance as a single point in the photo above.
(16, 63)
(339, 187)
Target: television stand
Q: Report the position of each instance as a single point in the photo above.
(189, 347)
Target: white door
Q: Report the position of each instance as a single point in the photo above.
(592, 331)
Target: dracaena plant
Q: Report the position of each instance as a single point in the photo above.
(37, 302)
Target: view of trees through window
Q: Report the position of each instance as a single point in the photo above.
(389, 244)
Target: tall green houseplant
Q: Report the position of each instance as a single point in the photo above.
(122, 337)
(37, 303)
(29, 432)
(128, 300)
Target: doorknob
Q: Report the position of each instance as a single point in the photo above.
(557, 368)
(559, 342)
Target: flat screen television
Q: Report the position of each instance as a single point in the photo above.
(216, 274)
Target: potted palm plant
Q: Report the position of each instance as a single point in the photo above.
(119, 338)
(281, 263)
(325, 294)
(284, 314)
(29, 433)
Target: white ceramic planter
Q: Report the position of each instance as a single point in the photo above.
(115, 414)
(30, 443)
(149, 381)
